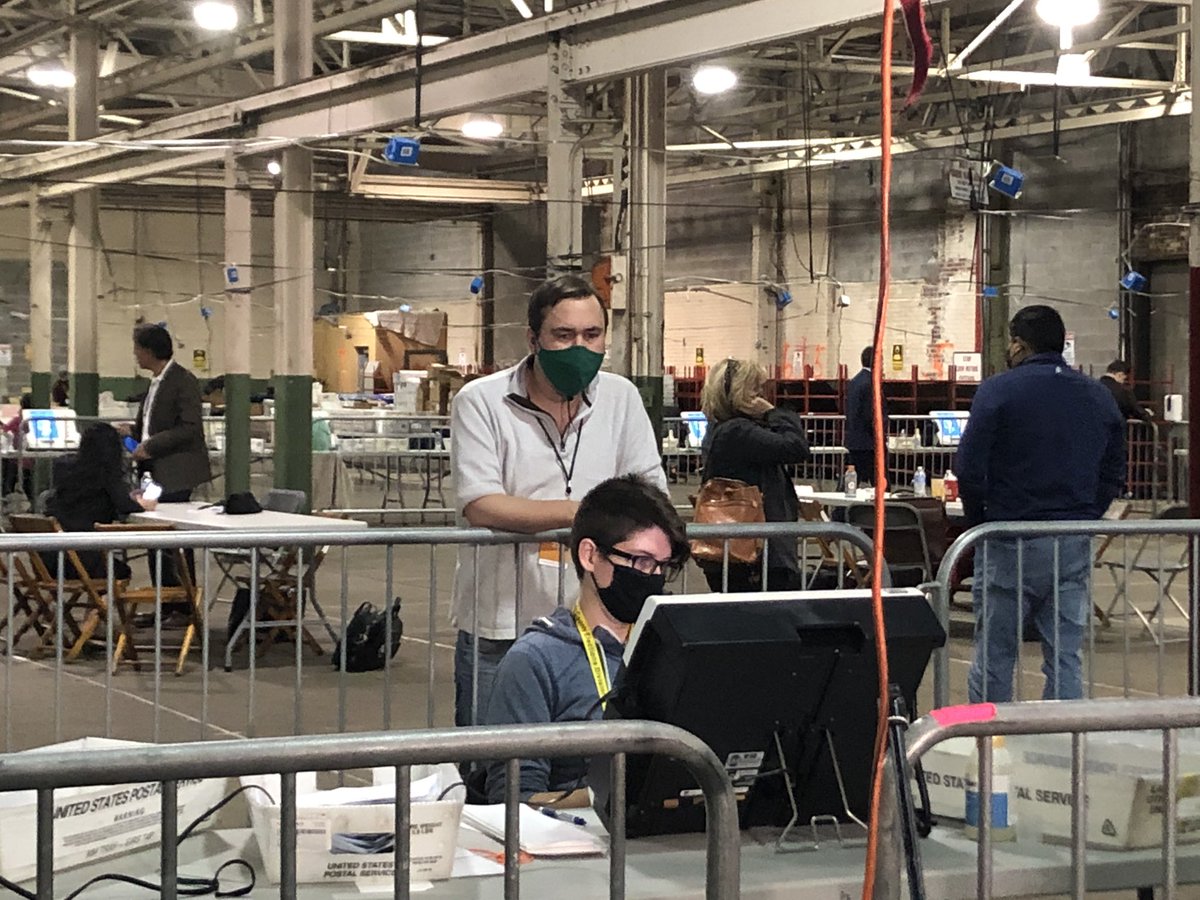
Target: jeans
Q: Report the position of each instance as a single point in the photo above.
(997, 638)
(490, 654)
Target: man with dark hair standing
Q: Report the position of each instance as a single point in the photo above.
(170, 426)
(1116, 379)
(860, 420)
(627, 542)
(528, 443)
(1043, 443)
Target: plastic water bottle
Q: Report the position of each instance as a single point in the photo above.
(950, 486)
(1003, 819)
(920, 482)
(151, 490)
(850, 482)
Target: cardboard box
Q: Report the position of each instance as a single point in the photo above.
(333, 818)
(1125, 789)
(94, 823)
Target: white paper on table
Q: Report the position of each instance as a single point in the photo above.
(541, 835)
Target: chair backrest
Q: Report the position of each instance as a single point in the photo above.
(182, 571)
(1174, 512)
(904, 534)
(285, 501)
(34, 524)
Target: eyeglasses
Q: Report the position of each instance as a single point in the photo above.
(647, 565)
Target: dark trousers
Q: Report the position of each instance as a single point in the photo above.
(170, 578)
(864, 464)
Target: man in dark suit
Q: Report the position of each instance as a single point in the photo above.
(169, 427)
(860, 421)
(1116, 378)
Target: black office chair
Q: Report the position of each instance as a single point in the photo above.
(906, 548)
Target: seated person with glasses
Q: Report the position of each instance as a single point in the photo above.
(627, 542)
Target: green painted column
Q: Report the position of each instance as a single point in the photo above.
(293, 432)
(85, 393)
(237, 433)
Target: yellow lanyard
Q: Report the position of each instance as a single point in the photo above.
(594, 655)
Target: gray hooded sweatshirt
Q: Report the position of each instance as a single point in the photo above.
(545, 677)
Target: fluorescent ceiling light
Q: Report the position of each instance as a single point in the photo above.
(548, 6)
(1072, 67)
(50, 75)
(388, 34)
(215, 15)
(523, 9)
(1049, 79)
(274, 168)
(482, 128)
(713, 79)
(1067, 13)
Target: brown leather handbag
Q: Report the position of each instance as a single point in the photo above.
(723, 501)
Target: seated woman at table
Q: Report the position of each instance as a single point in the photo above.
(92, 488)
(751, 440)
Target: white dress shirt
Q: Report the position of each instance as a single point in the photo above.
(149, 402)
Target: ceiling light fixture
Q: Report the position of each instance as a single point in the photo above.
(1073, 68)
(523, 9)
(548, 6)
(274, 168)
(482, 128)
(713, 79)
(215, 15)
(1067, 13)
(50, 75)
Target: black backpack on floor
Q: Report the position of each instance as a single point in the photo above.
(366, 634)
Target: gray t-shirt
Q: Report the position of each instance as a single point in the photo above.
(502, 446)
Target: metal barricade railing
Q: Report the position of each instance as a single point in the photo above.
(1057, 569)
(1078, 719)
(308, 580)
(171, 763)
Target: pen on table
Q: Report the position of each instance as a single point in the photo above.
(562, 817)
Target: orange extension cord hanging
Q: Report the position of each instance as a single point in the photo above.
(877, 563)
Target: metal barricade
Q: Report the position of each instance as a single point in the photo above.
(169, 764)
(1078, 719)
(301, 587)
(1126, 583)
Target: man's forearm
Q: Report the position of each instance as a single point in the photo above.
(502, 512)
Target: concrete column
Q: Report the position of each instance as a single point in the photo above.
(239, 281)
(82, 247)
(564, 168)
(41, 299)
(294, 268)
(1193, 398)
(647, 234)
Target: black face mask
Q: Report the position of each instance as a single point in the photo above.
(628, 592)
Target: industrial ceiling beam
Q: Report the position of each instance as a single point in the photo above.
(462, 75)
(256, 40)
(51, 26)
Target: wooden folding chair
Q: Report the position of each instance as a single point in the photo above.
(844, 557)
(80, 592)
(127, 600)
(27, 601)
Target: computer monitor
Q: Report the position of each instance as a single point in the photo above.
(697, 425)
(950, 425)
(774, 683)
(50, 429)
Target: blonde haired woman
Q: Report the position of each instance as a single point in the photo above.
(751, 440)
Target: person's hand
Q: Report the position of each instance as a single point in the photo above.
(125, 429)
(140, 453)
(757, 407)
(147, 505)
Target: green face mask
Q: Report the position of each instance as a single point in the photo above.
(570, 370)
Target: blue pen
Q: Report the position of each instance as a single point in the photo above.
(563, 817)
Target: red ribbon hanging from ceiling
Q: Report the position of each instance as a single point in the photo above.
(918, 37)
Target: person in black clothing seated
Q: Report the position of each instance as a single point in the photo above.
(92, 488)
(751, 440)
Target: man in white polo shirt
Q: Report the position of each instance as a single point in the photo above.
(528, 443)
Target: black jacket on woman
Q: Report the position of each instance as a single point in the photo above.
(756, 450)
(80, 507)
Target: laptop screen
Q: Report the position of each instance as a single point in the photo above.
(697, 427)
(950, 425)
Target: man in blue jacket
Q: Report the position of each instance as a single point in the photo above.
(627, 542)
(1043, 443)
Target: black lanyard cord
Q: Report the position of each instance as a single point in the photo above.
(568, 474)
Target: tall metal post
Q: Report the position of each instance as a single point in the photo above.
(294, 267)
(564, 167)
(1193, 401)
(41, 298)
(83, 302)
(239, 282)
(648, 234)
